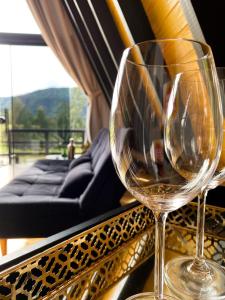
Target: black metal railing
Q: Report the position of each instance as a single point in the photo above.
(42, 141)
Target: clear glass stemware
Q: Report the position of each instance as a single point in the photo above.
(198, 278)
(165, 129)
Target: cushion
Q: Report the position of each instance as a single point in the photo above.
(82, 159)
(76, 181)
(36, 216)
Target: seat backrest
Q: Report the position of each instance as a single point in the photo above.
(100, 150)
(105, 189)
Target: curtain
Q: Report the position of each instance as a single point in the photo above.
(61, 37)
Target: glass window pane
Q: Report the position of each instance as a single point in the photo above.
(36, 68)
(16, 17)
(45, 106)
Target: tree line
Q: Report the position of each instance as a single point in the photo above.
(67, 112)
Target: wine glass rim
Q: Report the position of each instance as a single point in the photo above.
(204, 57)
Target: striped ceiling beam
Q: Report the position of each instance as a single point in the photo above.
(174, 19)
(128, 41)
(88, 23)
(177, 19)
(121, 23)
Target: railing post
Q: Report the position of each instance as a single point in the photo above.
(9, 134)
(83, 138)
(46, 142)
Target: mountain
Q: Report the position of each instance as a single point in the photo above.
(49, 99)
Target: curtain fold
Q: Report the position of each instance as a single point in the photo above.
(60, 35)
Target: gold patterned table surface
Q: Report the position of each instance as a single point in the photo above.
(140, 280)
(112, 260)
(180, 241)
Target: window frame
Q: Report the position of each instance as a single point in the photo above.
(21, 39)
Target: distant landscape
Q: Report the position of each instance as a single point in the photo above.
(60, 108)
(53, 108)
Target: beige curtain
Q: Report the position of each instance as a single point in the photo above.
(60, 36)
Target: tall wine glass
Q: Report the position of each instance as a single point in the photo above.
(198, 278)
(165, 134)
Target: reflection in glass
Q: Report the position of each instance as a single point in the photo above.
(197, 277)
(165, 129)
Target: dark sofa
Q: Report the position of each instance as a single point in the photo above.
(53, 195)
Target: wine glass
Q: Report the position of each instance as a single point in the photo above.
(160, 129)
(198, 278)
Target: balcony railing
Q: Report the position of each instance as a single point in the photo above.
(41, 141)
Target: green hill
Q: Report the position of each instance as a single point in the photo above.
(49, 99)
(48, 108)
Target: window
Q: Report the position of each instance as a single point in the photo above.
(42, 105)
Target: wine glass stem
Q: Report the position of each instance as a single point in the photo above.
(160, 222)
(201, 225)
(199, 270)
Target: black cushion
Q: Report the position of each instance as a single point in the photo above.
(76, 181)
(77, 161)
(36, 216)
(105, 189)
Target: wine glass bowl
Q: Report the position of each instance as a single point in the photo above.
(219, 175)
(198, 278)
(165, 110)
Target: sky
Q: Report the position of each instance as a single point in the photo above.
(24, 69)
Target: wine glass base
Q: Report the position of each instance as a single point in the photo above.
(150, 296)
(184, 285)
